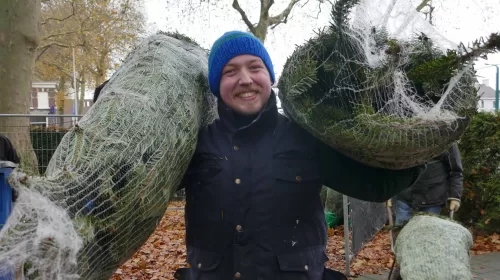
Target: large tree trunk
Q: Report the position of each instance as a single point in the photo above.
(260, 32)
(102, 66)
(19, 38)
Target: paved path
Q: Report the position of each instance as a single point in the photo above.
(484, 267)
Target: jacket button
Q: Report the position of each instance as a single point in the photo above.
(306, 268)
(237, 275)
(236, 147)
(199, 265)
(298, 178)
(239, 228)
(237, 181)
(423, 202)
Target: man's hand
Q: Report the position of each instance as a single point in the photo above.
(454, 204)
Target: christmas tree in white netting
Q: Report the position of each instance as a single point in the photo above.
(110, 180)
(433, 247)
(381, 85)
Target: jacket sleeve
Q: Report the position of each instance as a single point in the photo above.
(361, 181)
(456, 178)
(8, 152)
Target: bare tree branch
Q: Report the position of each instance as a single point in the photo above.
(422, 5)
(63, 71)
(41, 53)
(59, 34)
(265, 7)
(237, 7)
(283, 16)
(55, 44)
(63, 19)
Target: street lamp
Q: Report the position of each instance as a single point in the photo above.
(496, 88)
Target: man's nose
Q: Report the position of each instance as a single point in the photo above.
(245, 78)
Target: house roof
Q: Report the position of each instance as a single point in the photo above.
(44, 84)
(486, 92)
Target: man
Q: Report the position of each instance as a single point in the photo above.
(442, 181)
(253, 206)
(7, 150)
(98, 90)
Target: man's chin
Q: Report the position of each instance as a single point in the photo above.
(247, 113)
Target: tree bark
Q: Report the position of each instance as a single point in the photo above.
(60, 97)
(422, 5)
(19, 39)
(81, 99)
(265, 20)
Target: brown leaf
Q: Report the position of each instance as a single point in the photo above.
(165, 251)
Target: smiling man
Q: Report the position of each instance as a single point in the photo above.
(253, 206)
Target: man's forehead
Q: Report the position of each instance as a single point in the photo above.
(243, 59)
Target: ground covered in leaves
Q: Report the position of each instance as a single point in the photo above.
(164, 251)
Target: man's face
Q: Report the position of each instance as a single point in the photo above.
(245, 85)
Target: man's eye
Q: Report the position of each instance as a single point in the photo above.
(228, 71)
(255, 67)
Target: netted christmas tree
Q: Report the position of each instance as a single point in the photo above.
(109, 182)
(381, 85)
(433, 247)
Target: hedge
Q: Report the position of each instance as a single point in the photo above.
(480, 151)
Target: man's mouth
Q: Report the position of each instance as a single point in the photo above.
(247, 95)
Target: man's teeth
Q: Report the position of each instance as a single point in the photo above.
(247, 94)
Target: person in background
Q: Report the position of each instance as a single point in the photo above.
(7, 150)
(441, 182)
(253, 206)
(97, 91)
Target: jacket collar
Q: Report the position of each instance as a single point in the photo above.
(264, 120)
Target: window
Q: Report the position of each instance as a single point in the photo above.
(43, 100)
(38, 121)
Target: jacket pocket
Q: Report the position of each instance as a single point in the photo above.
(296, 186)
(308, 264)
(203, 264)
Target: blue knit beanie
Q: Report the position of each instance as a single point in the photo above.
(230, 45)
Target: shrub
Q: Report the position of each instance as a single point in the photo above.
(480, 151)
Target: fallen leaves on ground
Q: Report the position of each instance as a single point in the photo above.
(375, 257)
(485, 244)
(162, 254)
(165, 251)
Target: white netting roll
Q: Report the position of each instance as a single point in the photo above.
(109, 182)
(429, 247)
(381, 85)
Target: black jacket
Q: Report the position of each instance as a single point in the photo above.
(253, 207)
(441, 180)
(7, 151)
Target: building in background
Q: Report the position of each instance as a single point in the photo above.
(43, 102)
(486, 97)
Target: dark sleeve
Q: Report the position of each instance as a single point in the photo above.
(98, 90)
(456, 178)
(8, 152)
(361, 181)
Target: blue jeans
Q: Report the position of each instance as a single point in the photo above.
(404, 211)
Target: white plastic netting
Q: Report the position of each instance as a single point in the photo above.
(430, 247)
(382, 85)
(109, 182)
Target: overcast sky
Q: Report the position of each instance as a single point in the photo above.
(457, 20)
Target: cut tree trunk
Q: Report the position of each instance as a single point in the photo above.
(19, 38)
